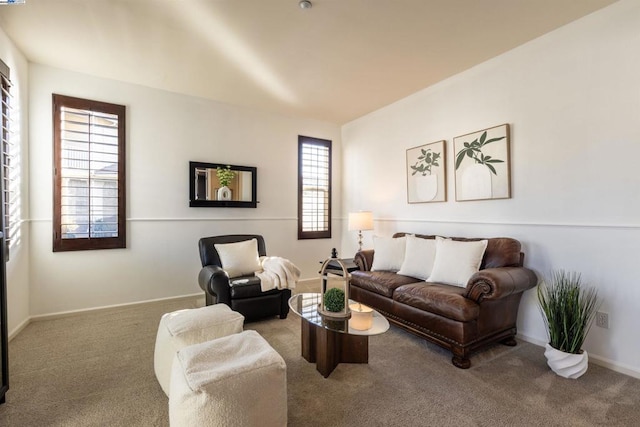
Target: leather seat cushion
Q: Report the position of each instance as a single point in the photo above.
(249, 289)
(380, 282)
(445, 300)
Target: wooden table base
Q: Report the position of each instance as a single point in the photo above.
(328, 348)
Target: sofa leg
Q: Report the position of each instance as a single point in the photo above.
(461, 362)
(511, 342)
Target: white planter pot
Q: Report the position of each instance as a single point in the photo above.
(566, 365)
(224, 193)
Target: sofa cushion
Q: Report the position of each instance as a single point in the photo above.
(456, 262)
(445, 300)
(500, 252)
(418, 257)
(380, 282)
(389, 253)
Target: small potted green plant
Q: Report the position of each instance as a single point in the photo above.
(568, 309)
(334, 300)
(225, 175)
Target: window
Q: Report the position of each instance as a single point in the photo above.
(89, 174)
(314, 188)
(9, 163)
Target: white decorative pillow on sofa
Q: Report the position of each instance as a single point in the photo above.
(419, 256)
(456, 261)
(240, 258)
(388, 253)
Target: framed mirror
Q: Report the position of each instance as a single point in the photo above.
(217, 185)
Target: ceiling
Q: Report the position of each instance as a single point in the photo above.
(337, 61)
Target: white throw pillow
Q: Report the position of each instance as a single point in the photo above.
(388, 253)
(456, 261)
(239, 259)
(419, 256)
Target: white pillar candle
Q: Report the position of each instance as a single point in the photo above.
(361, 317)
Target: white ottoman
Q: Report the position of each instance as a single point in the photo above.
(191, 326)
(238, 380)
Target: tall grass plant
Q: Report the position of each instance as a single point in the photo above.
(568, 308)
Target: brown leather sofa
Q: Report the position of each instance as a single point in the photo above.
(461, 320)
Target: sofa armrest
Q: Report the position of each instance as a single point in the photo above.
(496, 283)
(215, 282)
(364, 259)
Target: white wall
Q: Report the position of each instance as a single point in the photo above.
(165, 131)
(572, 98)
(18, 265)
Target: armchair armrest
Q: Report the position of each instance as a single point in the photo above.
(364, 259)
(215, 282)
(496, 283)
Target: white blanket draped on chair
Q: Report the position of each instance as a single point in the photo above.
(277, 273)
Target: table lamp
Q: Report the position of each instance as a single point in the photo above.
(360, 221)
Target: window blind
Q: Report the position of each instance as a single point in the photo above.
(90, 175)
(9, 193)
(314, 188)
(89, 170)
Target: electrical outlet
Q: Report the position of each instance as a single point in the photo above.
(602, 320)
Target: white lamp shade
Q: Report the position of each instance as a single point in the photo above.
(362, 220)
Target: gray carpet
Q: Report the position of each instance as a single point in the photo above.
(96, 369)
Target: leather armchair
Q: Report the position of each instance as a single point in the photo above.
(242, 294)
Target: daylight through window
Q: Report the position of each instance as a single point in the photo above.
(10, 163)
(89, 177)
(314, 188)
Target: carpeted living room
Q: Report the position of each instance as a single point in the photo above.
(458, 159)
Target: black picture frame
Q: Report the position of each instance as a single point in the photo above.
(199, 202)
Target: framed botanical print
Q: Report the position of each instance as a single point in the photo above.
(426, 173)
(482, 165)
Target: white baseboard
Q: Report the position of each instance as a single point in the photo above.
(598, 360)
(61, 314)
(19, 328)
(531, 340)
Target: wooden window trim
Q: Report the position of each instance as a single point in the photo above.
(323, 234)
(90, 243)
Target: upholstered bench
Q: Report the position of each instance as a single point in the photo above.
(237, 380)
(183, 328)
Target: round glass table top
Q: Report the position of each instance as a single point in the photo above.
(306, 305)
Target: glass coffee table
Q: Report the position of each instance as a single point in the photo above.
(328, 342)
